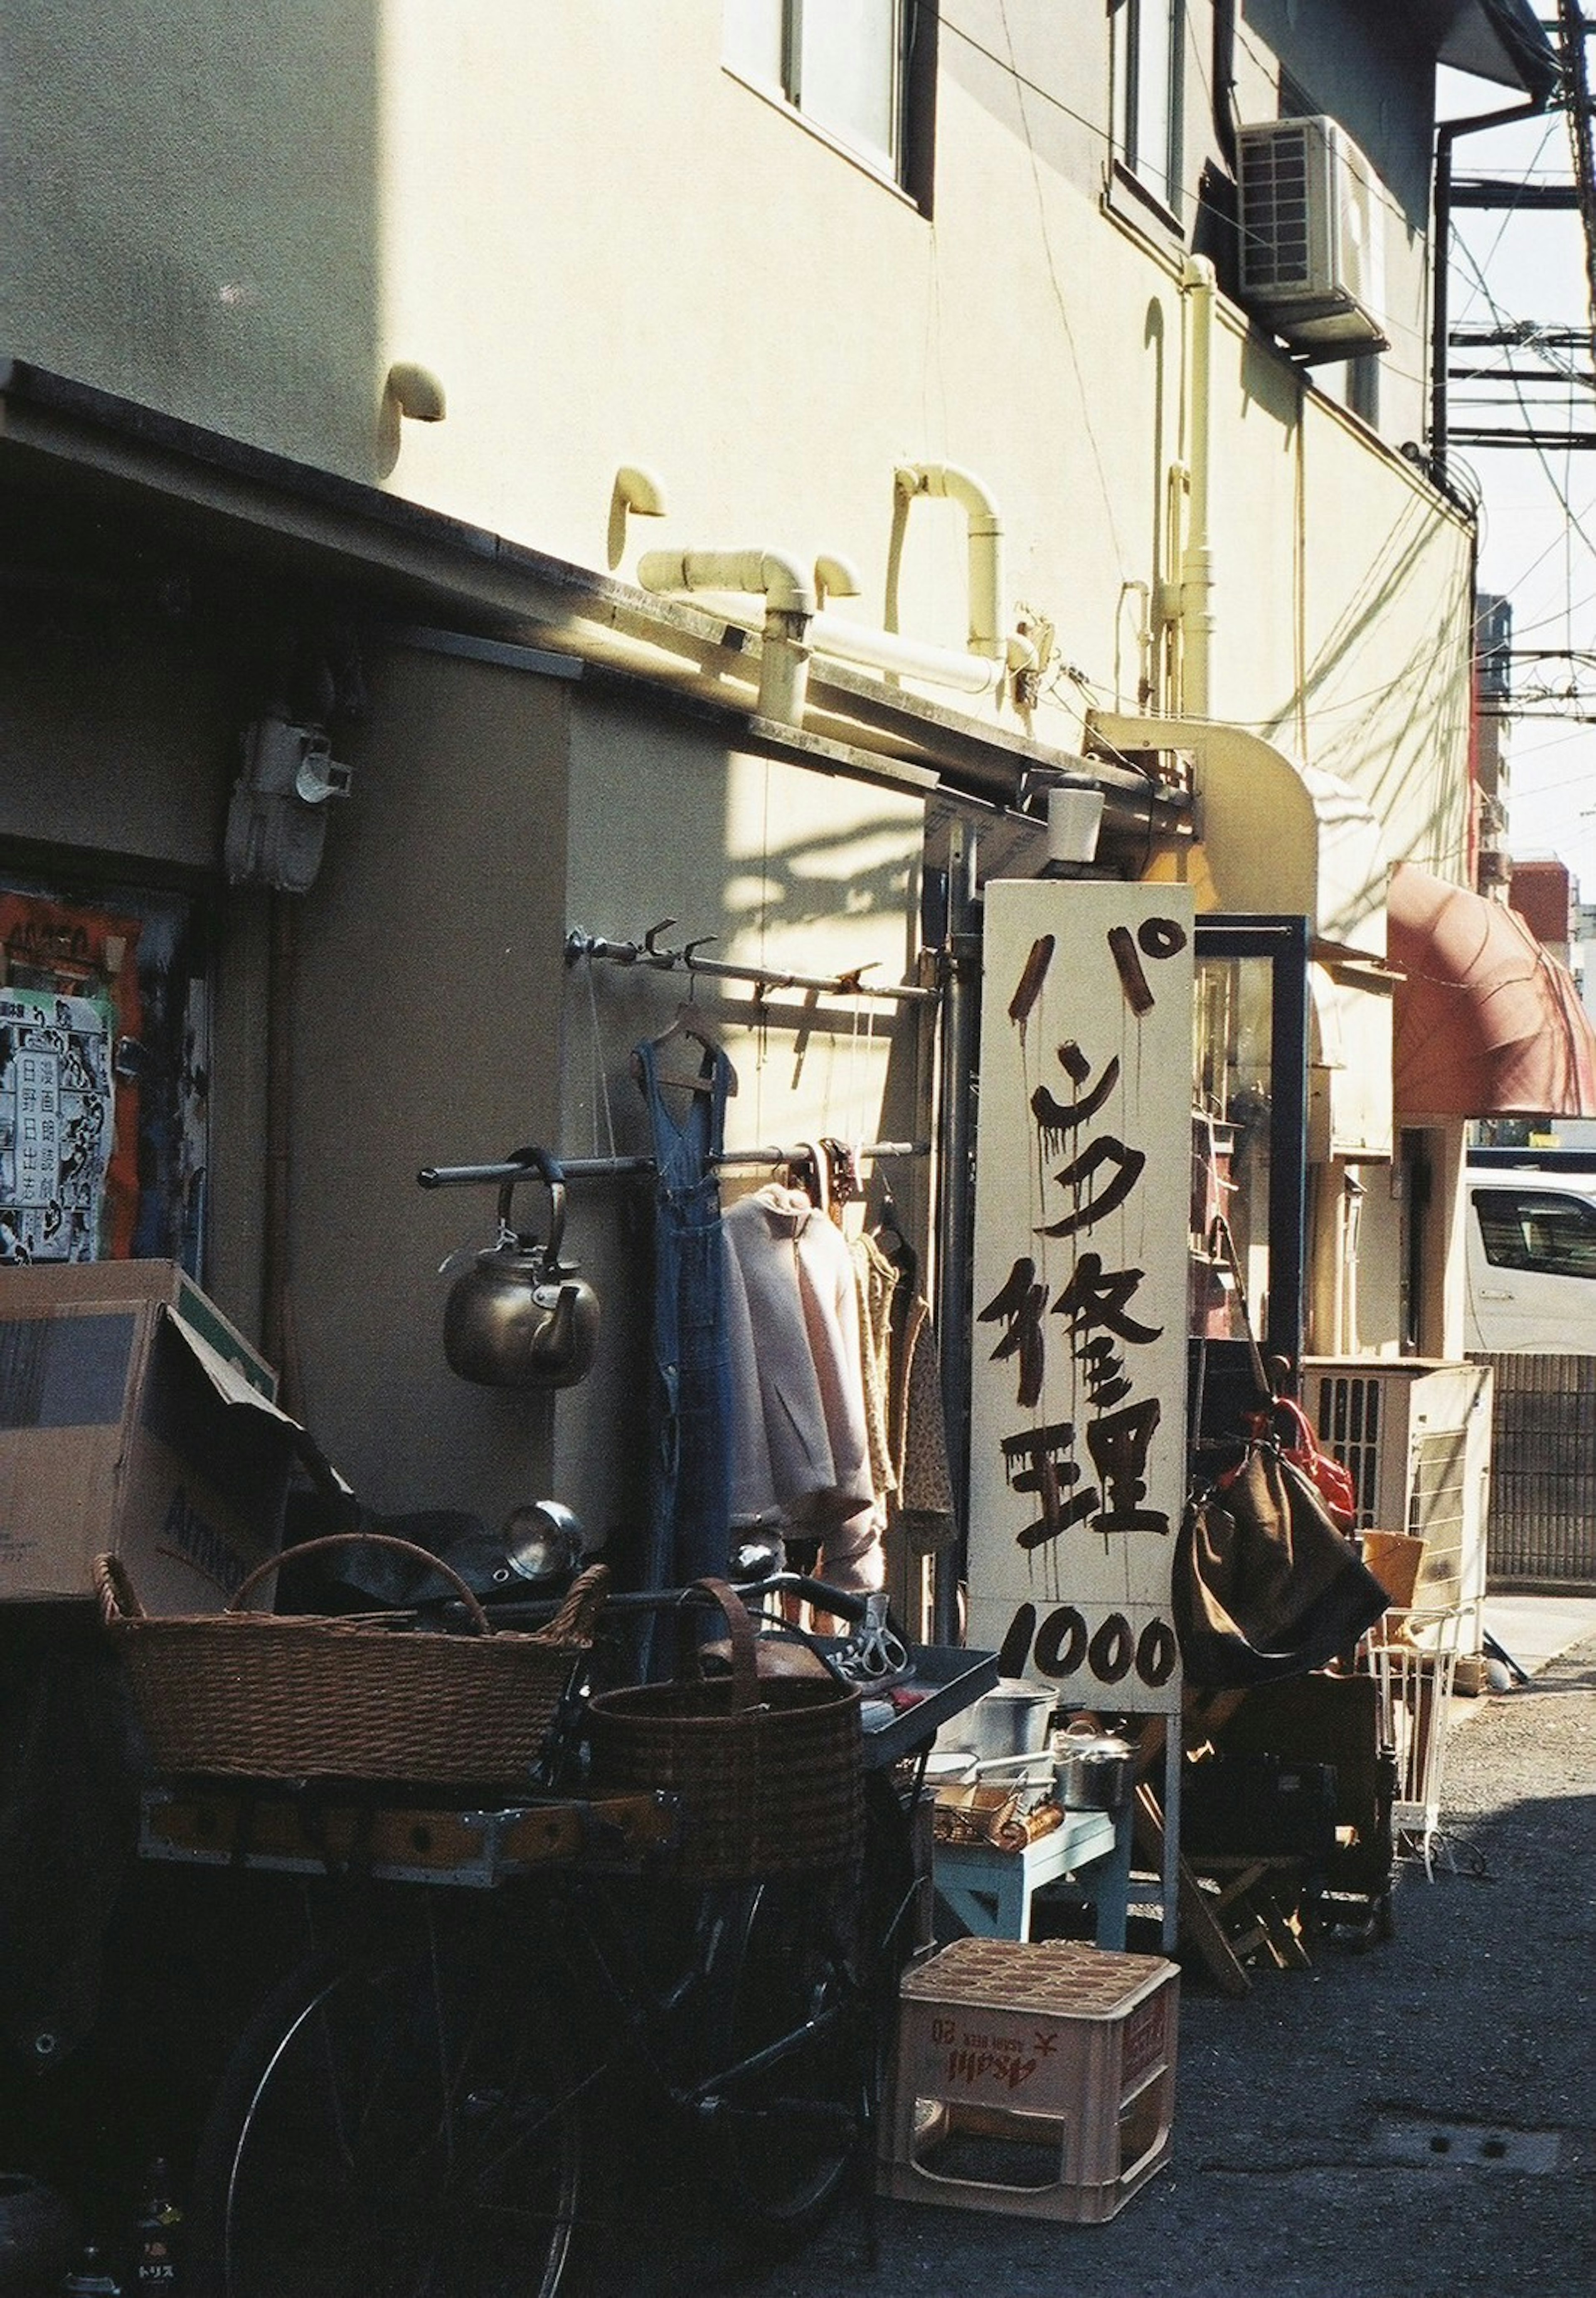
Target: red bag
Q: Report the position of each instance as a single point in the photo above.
(1332, 1482)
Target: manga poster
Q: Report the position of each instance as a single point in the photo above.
(103, 1075)
(1078, 1434)
(56, 1124)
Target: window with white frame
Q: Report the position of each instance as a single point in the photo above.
(846, 65)
(1147, 81)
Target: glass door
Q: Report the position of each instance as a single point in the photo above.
(1249, 1134)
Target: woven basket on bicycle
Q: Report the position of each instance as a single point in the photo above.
(768, 1771)
(280, 1696)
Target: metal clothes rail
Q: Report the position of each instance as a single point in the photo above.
(649, 953)
(576, 1169)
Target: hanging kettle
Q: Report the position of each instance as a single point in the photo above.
(519, 1317)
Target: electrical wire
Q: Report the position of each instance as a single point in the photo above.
(1559, 489)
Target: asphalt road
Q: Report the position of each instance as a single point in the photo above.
(1308, 2160)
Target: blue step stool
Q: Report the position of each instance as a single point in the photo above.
(992, 1892)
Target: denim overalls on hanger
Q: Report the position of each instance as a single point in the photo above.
(690, 1483)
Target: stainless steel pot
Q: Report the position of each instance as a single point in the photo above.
(1092, 1770)
(1010, 1721)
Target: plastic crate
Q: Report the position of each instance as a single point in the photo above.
(1033, 2078)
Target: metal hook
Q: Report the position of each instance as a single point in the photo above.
(850, 984)
(652, 952)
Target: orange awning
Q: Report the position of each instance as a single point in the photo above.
(1487, 1022)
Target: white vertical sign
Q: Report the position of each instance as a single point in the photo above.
(1082, 1214)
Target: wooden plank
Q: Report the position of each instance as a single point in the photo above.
(1199, 1926)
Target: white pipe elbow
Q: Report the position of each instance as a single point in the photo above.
(640, 489)
(984, 529)
(1198, 277)
(952, 481)
(776, 576)
(835, 578)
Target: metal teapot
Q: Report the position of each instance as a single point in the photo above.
(519, 1317)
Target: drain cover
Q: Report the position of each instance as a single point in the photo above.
(1464, 2145)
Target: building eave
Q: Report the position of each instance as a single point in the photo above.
(412, 564)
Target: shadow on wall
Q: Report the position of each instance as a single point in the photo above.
(808, 1063)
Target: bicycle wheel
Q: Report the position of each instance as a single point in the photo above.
(793, 2104)
(391, 2124)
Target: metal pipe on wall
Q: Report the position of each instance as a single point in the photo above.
(955, 1221)
(1199, 289)
(276, 1333)
(1447, 136)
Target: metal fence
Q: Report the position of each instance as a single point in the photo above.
(1543, 1518)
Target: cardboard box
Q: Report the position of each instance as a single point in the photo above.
(134, 1419)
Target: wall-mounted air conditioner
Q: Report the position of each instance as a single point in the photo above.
(1415, 1433)
(1312, 237)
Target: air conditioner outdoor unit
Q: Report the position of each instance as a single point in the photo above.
(1415, 1433)
(1312, 244)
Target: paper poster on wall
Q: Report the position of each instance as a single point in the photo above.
(1078, 1407)
(104, 1073)
(57, 1105)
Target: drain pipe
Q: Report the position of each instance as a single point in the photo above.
(789, 610)
(971, 673)
(958, 1065)
(1198, 287)
(796, 625)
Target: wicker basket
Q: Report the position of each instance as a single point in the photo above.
(769, 1772)
(270, 1695)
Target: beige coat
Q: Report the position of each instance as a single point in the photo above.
(799, 1445)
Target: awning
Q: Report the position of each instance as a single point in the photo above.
(1488, 1023)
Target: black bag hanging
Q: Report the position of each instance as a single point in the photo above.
(1264, 1585)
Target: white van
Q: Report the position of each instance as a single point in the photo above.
(1532, 1254)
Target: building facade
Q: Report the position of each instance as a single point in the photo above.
(480, 475)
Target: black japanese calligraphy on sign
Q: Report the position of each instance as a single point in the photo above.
(1041, 1462)
(1059, 1117)
(1079, 1298)
(1155, 937)
(1095, 1180)
(1118, 1444)
(1018, 1305)
(1129, 1166)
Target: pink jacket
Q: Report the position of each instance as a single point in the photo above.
(799, 1449)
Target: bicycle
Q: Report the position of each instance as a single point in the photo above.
(409, 2114)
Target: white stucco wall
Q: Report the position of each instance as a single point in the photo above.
(610, 249)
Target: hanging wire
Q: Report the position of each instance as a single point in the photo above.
(600, 1075)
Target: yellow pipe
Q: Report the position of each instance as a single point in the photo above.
(1199, 288)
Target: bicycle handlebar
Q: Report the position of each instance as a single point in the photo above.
(841, 1602)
